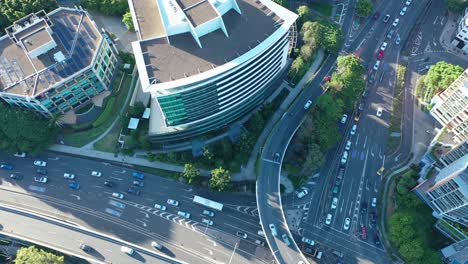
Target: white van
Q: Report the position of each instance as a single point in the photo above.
(319, 255)
(260, 233)
(126, 250)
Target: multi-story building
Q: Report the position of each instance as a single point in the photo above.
(456, 253)
(457, 152)
(54, 63)
(447, 192)
(451, 108)
(207, 63)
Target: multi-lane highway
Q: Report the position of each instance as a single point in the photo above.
(134, 218)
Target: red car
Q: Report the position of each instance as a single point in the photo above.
(327, 78)
(363, 233)
(380, 55)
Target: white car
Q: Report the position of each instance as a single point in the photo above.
(160, 207)
(376, 65)
(395, 22)
(156, 245)
(308, 241)
(347, 222)
(96, 174)
(40, 163)
(344, 118)
(286, 239)
(207, 221)
(379, 112)
(334, 203)
(348, 145)
(307, 104)
(383, 47)
(20, 154)
(328, 219)
(184, 214)
(408, 2)
(302, 193)
(353, 130)
(344, 158)
(172, 202)
(118, 195)
(374, 202)
(403, 11)
(69, 176)
(208, 213)
(273, 229)
(126, 250)
(40, 179)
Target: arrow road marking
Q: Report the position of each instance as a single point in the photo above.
(146, 215)
(76, 196)
(143, 223)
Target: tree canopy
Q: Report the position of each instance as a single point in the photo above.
(363, 8)
(191, 173)
(304, 13)
(324, 34)
(456, 5)
(283, 3)
(107, 7)
(23, 130)
(12, 10)
(347, 82)
(32, 255)
(220, 179)
(128, 21)
(441, 75)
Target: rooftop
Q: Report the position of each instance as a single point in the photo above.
(148, 18)
(181, 57)
(198, 12)
(76, 38)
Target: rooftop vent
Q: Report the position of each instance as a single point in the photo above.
(59, 57)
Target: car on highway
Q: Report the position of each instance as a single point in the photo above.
(286, 239)
(133, 190)
(403, 11)
(376, 65)
(357, 116)
(118, 195)
(328, 219)
(40, 163)
(335, 189)
(338, 253)
(16, 176)
(40, 179)
(374, 202)
(273, 229)
(376, 240)
(302, 193)
(138, 175)
(381, 170)
(41, 171)
(138, 183)
(344, 158)
(308, 241)
(260, 243)
(379, 111)
(334, 203)
(126, 250)
(376, 15)
(172, 202)
(386, 18)
(408, 2)
(398, 40)
(241, 234)
(327, 78)
(20, 154)
(307, 104)
(160, 207)
(395, 22)
(363, 233)
(353, 129)
(344, 118)
(347, 223)
(361, 107)
(96, 173)
(380, 54)
(363, 207)
(207, 221)
(74, 185)
(6, 166)
(156, 245)
(390, 34)
(348, 145)
(373, 218)
(384, 45)
(69, 176)
(208, 213)
(108, 183)
(85, 247)
(183, 214)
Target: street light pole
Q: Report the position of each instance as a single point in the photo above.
(233, 251)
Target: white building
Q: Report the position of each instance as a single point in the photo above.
(461, 37)
(207, 63)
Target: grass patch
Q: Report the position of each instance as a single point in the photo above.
(452, 230)
(397, 109)
(109, 142)
(114, 103)
(297, 181)
(291, 169)
(324, 9)
(159, 172)
(84, 109)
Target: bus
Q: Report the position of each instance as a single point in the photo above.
(208, 203)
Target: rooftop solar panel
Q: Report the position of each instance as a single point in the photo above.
(74, 20)
(89, 31)
(67, 22)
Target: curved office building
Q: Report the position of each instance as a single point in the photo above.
(207, 63)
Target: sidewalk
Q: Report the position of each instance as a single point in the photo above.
(447, 36)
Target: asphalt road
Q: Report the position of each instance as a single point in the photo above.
(134, 218)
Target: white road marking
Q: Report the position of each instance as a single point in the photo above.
(143, 223)
(115, 178)
(271, 161)
(146, 215)
(76, 196)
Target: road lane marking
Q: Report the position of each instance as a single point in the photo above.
(76, 196)
(117, 204)
(36, 188)
(143, 223)
(113, 212)
(271, 161)
(115, 178)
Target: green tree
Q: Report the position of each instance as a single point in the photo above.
(136, 110)
(191, 173)
(412, 251)
(441, 75)
(245, 144)
(283, 3)
(256, 123)
(23, 130)
(322, 34)
(304, 13)
(128, 21)
(400, 228)
(306, 52)
(220, 179)
(364, 8)
(32, 255)
(456, 5)
(298, 65)
(314, 159)
(107, 7)
(12, 10)
(207, 154)
(330, 107)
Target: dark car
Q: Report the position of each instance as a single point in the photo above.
(390, 34)
(373, 218)
(138, 183)
(16, 176)
(41, 171)
(364, 207)
(376, 240)
(108, 183)
(133, 190)
(6, 166)
(357, 116)
(85, 247)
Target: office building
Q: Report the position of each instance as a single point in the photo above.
(55, 63)
(457, 253)
(461, 34)
(447, 192)
(207, 63)
(451, 108)
(457, 152)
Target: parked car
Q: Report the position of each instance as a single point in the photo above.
(328, 219)
(403, 11)
(126, 250)
(207, 221)
(260, 243)
(20, 154)
(353, 129)
(160, 207)
(344, 118)
(348, 145)
(308, 241)
(40, 179)
(183, 214)
(118, 195)
(134, 191)
(6, 166)
(69, 176)
(302, 193)
(286, 239)
(273, 229)
(138, 175)
(384, 45)
(138, 183)
(16, 176)
(241, 234)
(96, 174)
(307, 104)
(334, 203)
(376, 65)
(41, 171)
(395, 22)
(74, 185)
(85, 247)
(172, 202)
(156, 245)
(386, 18)
(347, 223)
(108, 183)
(208, 213)
(40, 163)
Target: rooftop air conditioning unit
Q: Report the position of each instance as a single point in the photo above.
(26, 24)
